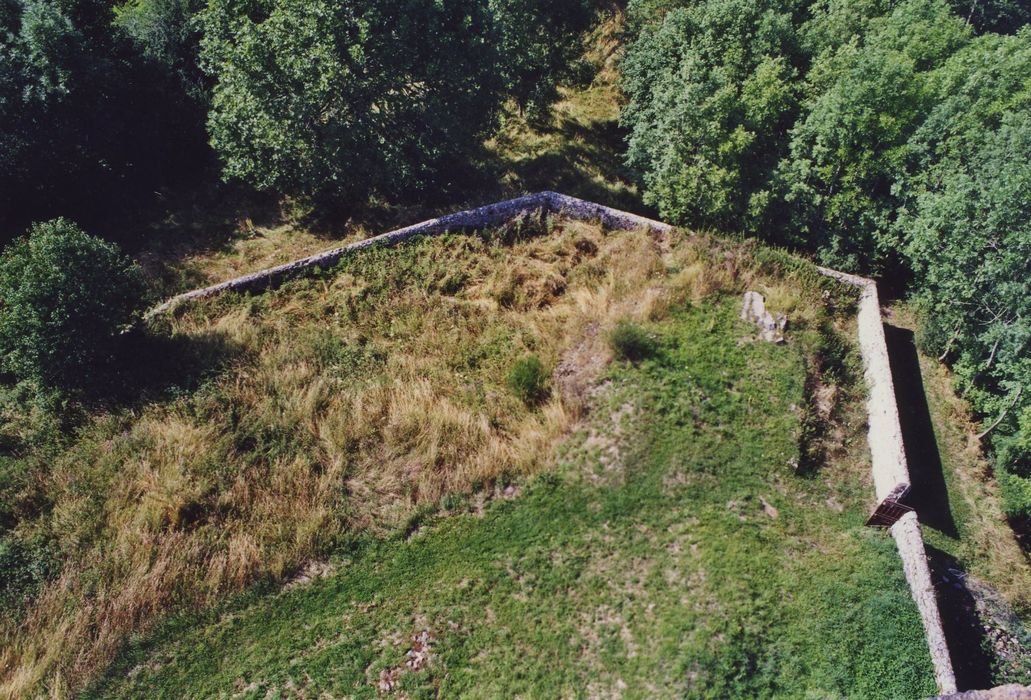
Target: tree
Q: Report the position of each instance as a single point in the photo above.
(345, 100)
(87, 124)
(537, 44)
(166, 32)
(967, 227)
(1000, 16)
(865, 98)
(712, 89)
(348, 99)
(65, 298)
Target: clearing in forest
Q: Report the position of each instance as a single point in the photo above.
(544, 460)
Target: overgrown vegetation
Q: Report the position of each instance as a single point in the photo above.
(631, 342)
(885, 137)
(67, 298)
(669, 551)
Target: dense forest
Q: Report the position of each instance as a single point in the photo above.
(890, 138)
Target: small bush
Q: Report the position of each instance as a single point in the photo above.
(1016, 492)
(528, 380)
(23, 570)
(65, 298)
(631, 342)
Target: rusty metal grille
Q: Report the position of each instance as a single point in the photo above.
(887, 513)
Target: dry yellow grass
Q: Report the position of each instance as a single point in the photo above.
(351, 402)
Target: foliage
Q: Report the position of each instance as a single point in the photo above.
(850, 144)
(970, 243)
(167, 32)
(66, 298)
(347, 99)
(87, 124)
(23, 570)
(1002, 16)
(528, 379)
(631, 342)
(344, 100)
(712, 90)
(537, 43)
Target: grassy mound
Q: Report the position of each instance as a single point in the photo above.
(339, 413)
(671, 551)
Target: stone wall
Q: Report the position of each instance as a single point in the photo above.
(887, 451)
(891, 473)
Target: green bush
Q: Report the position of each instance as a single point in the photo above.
(528, 380)
(65, 298)
(1016, 492)
(23, 570)
(631, 342)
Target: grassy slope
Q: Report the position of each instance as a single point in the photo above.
(671, 552)
(576, 152)
(351, 405)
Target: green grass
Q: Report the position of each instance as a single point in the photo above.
(671, 551)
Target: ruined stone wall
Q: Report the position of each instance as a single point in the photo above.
(887, 450)
(891, 473)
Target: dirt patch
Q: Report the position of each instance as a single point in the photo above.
(606, 442)
(309, 572)
(418, 657)
(580, 368)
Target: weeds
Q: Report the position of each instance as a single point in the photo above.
(631, 342)
(528, 380)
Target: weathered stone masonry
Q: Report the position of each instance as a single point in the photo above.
(890, 472)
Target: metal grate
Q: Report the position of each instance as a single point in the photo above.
(887, 513)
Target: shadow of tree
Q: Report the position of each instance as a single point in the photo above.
(155, 366)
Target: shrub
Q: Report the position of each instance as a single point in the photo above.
(23, 569)
(65, 298)
(528, 380)
(1016, 492)
(631, 342)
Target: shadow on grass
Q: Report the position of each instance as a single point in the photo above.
(158, 367)
(962, 624)
(930, 495)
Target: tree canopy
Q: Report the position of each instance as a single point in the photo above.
(66, 298)
(889, 138)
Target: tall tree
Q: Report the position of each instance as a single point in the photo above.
(967, 227)
(345, 100)
(538, 43)
(712, 89)
(865, 98)
(86, 123)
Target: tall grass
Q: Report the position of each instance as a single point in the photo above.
(350, 402)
